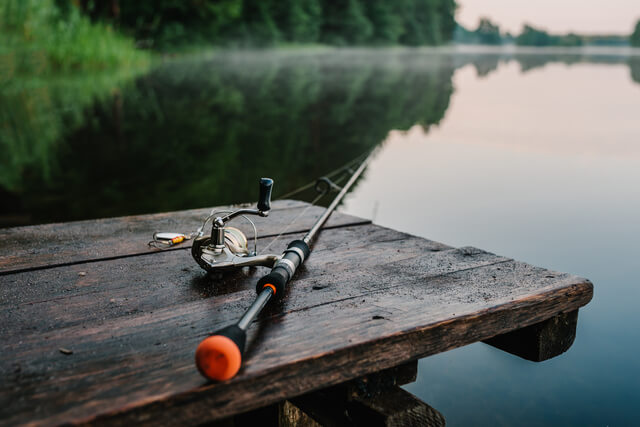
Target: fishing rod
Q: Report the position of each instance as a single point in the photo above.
(219, 356)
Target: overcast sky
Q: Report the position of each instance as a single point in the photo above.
(558, 16)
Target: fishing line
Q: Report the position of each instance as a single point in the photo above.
(163, 240)
(330, 174)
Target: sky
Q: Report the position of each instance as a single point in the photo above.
(556, 16)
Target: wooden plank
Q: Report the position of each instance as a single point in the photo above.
(379, 382)
(349, 403)
(367, 299)
(396, 407)
(49, 245)
(542, 341)
(49, 299)
(292, 416)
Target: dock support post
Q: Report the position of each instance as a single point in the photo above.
(541, 341)
(373, 400)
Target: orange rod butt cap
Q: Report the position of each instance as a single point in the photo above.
(218, 358)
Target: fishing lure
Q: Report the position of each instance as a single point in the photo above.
(168, 239)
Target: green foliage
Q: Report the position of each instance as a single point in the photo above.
(38, 37)
(36, 114)
(170, 23)
(569, 40)
(606, 40)
(195, 133)
(299, 20)
(534, 37)
(463, 35)
(487, 32)
(344, 22)
(258, 26)
(422, 22)
(387, 23)
(635, 36)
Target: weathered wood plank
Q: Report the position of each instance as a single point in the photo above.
(396, 407)
(292, 416)
(43, 300)
(48, 245)
(542, 341)
(378, 382)
(349, 403)
(356, 307)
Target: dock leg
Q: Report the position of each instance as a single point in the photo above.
(541, 341)
(373, 400)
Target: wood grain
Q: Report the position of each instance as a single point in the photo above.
(50, 245)
(367, 299)
(541, 341)
(395, 408)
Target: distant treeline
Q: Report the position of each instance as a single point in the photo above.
(635, 37)
(489, 33)
(162, 23)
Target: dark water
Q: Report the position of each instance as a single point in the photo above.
(527, 154)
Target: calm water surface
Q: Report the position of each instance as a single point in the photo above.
(543, 166)
(531, 156)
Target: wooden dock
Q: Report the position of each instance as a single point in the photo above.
(97, 327)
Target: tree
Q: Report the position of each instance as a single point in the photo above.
(533, 37)
(386, 21)
(345, 22)
(488, 32)
(635, 37)
(422, 23)
(570, 40)
(176, 23)
(299, 20)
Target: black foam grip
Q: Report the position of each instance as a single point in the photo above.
(264, 199)
(235, 334)
(278, 278)
(302, 246)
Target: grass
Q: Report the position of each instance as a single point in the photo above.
(53, 64)
(38, 38)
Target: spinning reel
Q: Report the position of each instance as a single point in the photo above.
(227, 247)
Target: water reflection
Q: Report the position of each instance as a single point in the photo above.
(197, 132)
(543, 167)
(486, 62)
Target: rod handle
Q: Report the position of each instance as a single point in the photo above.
(219, 356)
(284, 269)
(264, 199)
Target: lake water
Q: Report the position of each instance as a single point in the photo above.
(529, 154)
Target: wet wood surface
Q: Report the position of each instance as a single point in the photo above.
(48, 245)
(541, 341)
(105, 339)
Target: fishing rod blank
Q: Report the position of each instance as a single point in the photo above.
(219, 356)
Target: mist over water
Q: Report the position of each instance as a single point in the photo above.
(529, 154)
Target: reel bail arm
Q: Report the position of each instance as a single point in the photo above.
(227, 247)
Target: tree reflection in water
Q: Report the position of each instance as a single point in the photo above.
(199, 132)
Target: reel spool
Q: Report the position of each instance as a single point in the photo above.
(227, 247)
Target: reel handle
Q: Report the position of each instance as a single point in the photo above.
(264, 199)
(219, 356)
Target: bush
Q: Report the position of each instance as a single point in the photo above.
(40, 37)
